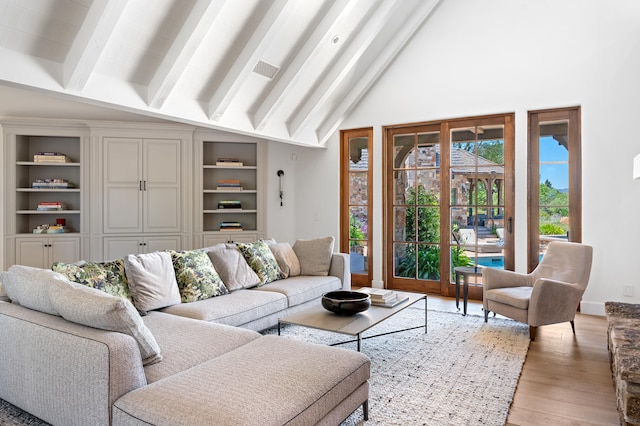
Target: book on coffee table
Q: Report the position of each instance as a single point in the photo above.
(383, 297)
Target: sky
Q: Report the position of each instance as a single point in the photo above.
(558, 174)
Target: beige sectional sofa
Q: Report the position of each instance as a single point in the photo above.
(75, 355)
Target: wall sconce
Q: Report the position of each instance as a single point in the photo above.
(280, 174)
(636, 167)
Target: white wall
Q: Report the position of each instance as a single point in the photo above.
(495, 56)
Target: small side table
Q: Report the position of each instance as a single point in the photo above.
(465, 272)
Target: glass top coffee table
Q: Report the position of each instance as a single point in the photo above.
(321, 319)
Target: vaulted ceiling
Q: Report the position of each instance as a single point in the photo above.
(286, 70)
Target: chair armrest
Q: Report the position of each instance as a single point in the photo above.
(553, 301)
(341, 268)
(500, 278)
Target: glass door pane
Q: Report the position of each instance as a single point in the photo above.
(477, 205)
(553, 207)
(358, 207)
(416, 205)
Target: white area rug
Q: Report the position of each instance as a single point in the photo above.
(462, 372)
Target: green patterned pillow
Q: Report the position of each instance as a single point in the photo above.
(196, 276)
(106, 276)
(261, 259)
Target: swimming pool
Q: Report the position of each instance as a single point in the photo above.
(493, 261)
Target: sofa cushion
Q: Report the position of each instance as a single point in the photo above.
(187, 342)
(261, 260)
(3, 293)
(232, 267)
(314, 255)
(196, 276)
(302, 289)
(276, 381)
(106, 276)
(286, 258)
(28, 287)
(152, 280)
(94, 308)
(237, 308)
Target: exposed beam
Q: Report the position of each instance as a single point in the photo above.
(269, 25)
(381, 60)
(349, 58)
(90, 42)
(333, 13)
(200, 20)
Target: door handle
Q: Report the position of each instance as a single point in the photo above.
(510, 225)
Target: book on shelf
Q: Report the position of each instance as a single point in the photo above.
(51, 229)
(50, 157)
(230, 226)
(231, 162)
(229, 205)
(229, 188)
(50, 206)
(51, 184)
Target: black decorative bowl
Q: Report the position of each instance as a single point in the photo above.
(346, 302)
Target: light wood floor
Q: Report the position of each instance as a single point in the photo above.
(566, 379)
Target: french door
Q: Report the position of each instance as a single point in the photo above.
(448, 201)
(555, 180)
(356, 192)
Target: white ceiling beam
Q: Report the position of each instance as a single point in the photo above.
(338, 71)
(269, 25)
(417, 16)
(333, 13)
(89, 43)
(189, 38)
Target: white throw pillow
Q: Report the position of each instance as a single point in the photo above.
(232, 267)
(94, 308)
(314, 255)
(152, 280)
(286, 258)
(28, 286)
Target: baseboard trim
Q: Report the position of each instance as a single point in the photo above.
(592, 308)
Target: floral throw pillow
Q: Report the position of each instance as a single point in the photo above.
(261, 260)
(196, 276)
(106, 276)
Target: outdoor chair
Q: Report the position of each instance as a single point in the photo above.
(470, 242)
(548, 295)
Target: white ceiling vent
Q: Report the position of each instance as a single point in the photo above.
(266, 69)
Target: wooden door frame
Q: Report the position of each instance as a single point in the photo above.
(345, 136)
(508, 121)
(573, 115)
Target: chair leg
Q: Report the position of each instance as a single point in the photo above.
(532, 333)
(486, 315)
(573, 327)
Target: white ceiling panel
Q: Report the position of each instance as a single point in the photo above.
(194, 61)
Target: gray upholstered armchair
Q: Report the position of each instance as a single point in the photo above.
(548, 295)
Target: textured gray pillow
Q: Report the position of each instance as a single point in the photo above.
(286, 258)
(314, 255)
(28, 287)
(94, 308)
(232, 267)
(152, 280)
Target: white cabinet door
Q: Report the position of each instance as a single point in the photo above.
(42, 252)
(142, 187)
(119, 247)
(122, 164)
(162, 201)
(240, 237)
